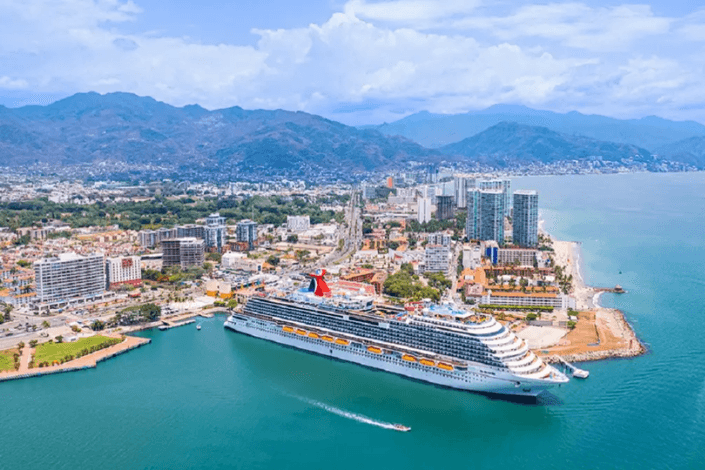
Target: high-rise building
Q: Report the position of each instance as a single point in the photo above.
(472, 223)
(298, 223)
(123, 270)
(462, 184)
(525, 223)
(183, 252)
(444, 207)
(425, 201)
(492, 215)
(69, 278)
(369, 191)
(215, 232)
(190, 231)
(247, 232)
(503, 185)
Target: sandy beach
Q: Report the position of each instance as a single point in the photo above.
(614, 336)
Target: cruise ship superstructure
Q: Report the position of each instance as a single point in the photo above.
(439, 344)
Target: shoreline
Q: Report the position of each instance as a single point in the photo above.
(615, 336)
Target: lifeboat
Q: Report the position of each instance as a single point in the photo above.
(288, 329)
(427, 362)
(374, 349)
(444, 366)
(301, 332)
(327, 338)
(313, 335)
(408, 357)
(344, 342)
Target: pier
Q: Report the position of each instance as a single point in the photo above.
(171, 324)
(575, 372)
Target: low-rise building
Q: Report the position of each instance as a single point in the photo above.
(298, 223)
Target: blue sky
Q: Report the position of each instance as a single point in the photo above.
(362, 61)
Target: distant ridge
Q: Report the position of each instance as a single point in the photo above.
(509, 144)
(437, 130)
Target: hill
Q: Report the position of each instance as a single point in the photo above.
(437, 130)
(122, 127)
(509, 144)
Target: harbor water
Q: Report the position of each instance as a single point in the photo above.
(216, 399)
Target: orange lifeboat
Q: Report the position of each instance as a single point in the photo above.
(444, 366)
(313, 335)
(301, 332)
(327, 338)
(409, 358)
(344, 342)
(288, 329)
(427, 362)
(374, 349)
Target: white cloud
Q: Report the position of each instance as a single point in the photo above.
(575, 25)
(560, 56)
(8, 83)
(409, 11)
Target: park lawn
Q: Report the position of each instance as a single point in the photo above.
(50, 352)
(7, 359)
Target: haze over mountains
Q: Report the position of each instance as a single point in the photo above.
(94, 130)
(437, 130)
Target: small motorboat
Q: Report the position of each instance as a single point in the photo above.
(198, 327)
(401, 428)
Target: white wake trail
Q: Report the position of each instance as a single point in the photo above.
(349, 415)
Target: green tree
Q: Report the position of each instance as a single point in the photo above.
(97, 325)
(45, 324)
(33, 343)
(292, 239)
(59, 339)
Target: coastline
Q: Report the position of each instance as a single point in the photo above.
(615, 336)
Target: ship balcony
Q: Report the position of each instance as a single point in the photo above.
(515, 344)
(509, 354)
(522, 363)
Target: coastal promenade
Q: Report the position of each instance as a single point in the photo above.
(86, 362)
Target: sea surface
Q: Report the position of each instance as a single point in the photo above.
(217, 399)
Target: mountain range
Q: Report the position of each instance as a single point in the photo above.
(437, 130)
(89, 127)
(190, 142)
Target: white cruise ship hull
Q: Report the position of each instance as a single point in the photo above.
(475, 379)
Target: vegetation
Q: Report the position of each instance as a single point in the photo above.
(531, 316)
(571, 325)
(97, 325)
(138, 314)
(438, 280)
(48, 353)
(273, 260)
(8, 360)
(402, 285)
(161, 211)
(292, 239)
(23, 263)
(217, 257)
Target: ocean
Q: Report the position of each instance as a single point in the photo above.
(217, 399)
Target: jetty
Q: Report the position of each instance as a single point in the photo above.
(171, 324)
(575, 372)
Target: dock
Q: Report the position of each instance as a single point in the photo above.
(575, 372)
(171, 324)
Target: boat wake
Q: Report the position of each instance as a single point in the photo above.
(353, 416)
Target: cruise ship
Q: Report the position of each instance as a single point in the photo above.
(438, 344)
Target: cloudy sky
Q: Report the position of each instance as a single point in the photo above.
(362, 61)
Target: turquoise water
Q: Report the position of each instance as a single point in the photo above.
(216, 399)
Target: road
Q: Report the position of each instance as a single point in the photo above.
(352, 233)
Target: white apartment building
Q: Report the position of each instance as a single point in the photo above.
(298, 223)
(69, 278)
(123, 270)
(523, 256)
(559, 301)
(472, 256)
(437, 258)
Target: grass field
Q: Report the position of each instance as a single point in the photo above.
(7, 360)
(49, 352)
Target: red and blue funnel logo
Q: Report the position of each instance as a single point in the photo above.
(318, 286)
